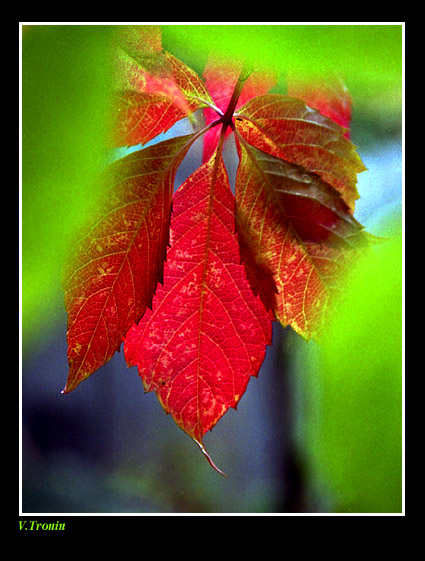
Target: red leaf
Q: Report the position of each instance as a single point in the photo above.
(288, 129)
(113, 271)
(207, 332)
(298, 231)
(220, 78)
(154, 89)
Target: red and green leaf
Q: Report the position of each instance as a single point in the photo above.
(112, 273)
(207, 332)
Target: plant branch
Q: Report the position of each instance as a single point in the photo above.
(228, 115)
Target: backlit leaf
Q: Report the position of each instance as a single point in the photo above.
(287, 128)
(298, 232)
(207, 333)
(114, 269)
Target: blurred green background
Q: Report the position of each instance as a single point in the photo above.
(320, 429)
(65, 92)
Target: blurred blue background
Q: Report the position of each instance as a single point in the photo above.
(108, 448)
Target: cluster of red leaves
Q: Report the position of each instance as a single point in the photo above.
(190, 281)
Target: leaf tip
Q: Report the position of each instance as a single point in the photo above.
(73, 381)
(68, 388)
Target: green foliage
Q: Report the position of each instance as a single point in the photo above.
(369, 55)
(65, 79)
(354, 420)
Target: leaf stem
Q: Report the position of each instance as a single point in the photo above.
(208, 103)
(227, 117)
(208, 457)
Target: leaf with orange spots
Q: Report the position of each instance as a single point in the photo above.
(113, 270)
(299, 230)
(207, 332)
